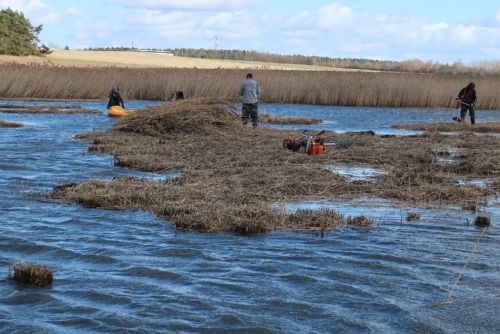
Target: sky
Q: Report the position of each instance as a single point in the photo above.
(439, 31)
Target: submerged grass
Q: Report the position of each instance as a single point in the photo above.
(230, 173)
(45, 109)
(5, 124)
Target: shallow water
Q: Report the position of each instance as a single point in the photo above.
(125, 271)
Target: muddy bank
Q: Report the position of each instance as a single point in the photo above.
(231, 175)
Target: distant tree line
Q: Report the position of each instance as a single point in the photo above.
(18, 37)
(413, 65)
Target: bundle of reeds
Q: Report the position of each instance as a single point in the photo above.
(31, 273)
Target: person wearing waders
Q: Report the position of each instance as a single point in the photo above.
(249, 91)
(115, 98)
(466, 99)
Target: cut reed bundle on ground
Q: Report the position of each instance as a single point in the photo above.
(231, 174)
(31, 273)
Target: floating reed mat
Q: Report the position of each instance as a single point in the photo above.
(45, 109)
(267, 118)
(235, 178)
(452, 126)
(4, 124)
(31, 273)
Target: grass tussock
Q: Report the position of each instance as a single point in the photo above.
(230, 173)
(412, 216)
(489, 127)
(360, 221)
(4, 124)
(279, 86)
(267, 118)
(31, 273)
(45, 109)
(482, 221)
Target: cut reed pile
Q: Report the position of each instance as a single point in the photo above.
(231, 174)
(267, 118)
(45, 109)
(31, 273)
(278, 86)
(452, 127)
(4, 124)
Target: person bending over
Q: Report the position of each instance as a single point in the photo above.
(466, 99)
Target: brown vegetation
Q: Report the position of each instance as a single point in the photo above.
(482, 221)
(452, 127)
(45, 109)
(4, 124)
(232, 174)
(31, 273)
(329, 88)
(267, 118)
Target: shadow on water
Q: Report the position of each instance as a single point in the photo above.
(118, 271)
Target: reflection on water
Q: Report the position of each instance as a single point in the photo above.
(356, 173)
(125, 271)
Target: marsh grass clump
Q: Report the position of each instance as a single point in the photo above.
(412, 216)
(4, 124)
(470, 206)
(267, 118)
(322, 219)
(482, 221)
(31, 273)
(360, 221)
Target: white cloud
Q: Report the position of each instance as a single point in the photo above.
(184, 4)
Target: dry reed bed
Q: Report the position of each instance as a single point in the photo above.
(45, 109)
(5, 124)
(490, 127)
(231, 174)
(280, 86)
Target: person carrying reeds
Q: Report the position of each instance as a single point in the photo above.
(249, 91)
(115, 98)
(466, 99)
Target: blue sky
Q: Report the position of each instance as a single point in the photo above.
(443, 31)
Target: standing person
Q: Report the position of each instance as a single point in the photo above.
(466, 99)
(115, 98)
(249, 91)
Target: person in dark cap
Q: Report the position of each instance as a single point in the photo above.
(466, 99)
(115, 98)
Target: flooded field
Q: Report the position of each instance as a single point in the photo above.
(126, 271)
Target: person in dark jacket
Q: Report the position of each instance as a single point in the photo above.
(115, 98)
(466, 99)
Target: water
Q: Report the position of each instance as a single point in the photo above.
(126, 271)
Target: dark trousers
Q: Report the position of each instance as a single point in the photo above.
(472, 113)
(249, 110)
